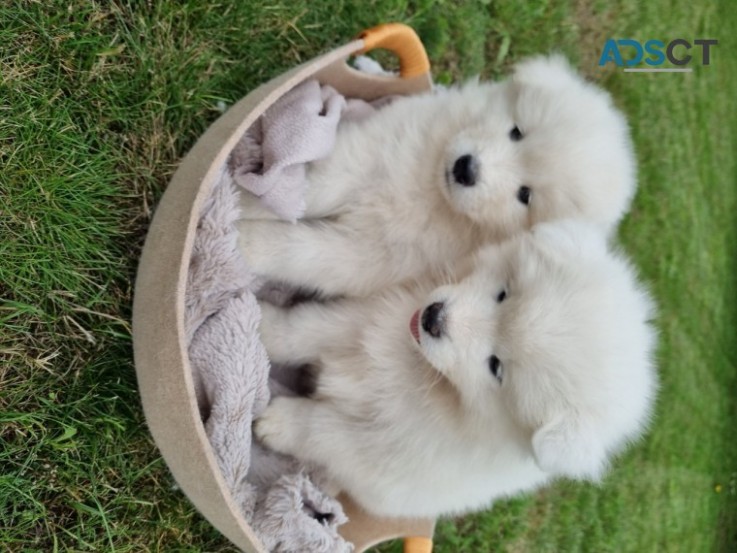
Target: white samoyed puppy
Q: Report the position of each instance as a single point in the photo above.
(429, 178)
(535, 365)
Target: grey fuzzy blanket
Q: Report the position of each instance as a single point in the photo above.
(277, 495)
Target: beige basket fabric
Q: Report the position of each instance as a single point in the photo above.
(162, 366)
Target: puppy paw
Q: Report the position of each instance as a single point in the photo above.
(253, 242)
(278, 427)
(274, 332)
(271, 315)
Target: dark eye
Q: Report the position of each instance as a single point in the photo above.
(495, 366)
(515, 134)
(502, 296)
(523, 194)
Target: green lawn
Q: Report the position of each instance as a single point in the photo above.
(98, 102)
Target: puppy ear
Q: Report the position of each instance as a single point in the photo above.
(548, 71)
(579, 238)
(567, 447)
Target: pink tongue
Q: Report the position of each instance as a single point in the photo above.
(414, 326)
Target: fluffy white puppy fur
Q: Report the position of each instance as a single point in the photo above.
(536, 364)
(429, 178)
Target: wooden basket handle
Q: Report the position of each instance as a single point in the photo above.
(417, 544)
(404, 42)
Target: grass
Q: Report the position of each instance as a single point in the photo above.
(98, 102)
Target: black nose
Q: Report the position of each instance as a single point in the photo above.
(433, 321)
(465, 170)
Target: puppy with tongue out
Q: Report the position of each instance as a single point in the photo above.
(437, 400)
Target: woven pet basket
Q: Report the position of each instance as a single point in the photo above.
(162, 366)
